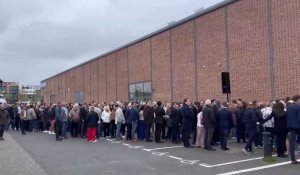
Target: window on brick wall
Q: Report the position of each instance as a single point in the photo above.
(141, 92)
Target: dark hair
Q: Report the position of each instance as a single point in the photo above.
(185, 100)
(159, 103)
(278, 108)
(296, 97)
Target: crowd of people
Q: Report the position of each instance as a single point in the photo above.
(203, 124)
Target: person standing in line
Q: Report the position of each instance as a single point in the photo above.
(159, 113)
(196, 109)
(250, 119)
(3, 120)
(209, 121)
(52, 118)
(225, 124)
(92, 120)
(31, 118)
(129, 118)
(240, 128)
(280, 130)
(175, 118)
(64, 125)
(200, 131)
(105, 116)
(59, 115)
(17, 111)
(148, 118)
(23, 117)
(83, 115)
(119, 120)
(141, 124)
(75, 119)
(293, 124)
(113, 125)
(187, 115)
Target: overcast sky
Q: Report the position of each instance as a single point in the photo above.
(40, 38)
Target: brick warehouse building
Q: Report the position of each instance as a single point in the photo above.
(257, 41)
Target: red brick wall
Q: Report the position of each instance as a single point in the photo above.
(139, 62)
(94, 81)
(63, 87)
(183, 63)
(211, 54)
(102, 79)
(286, 43)
(161, 78)
(87, 82)
(248, 44)
(122, 75)
(248, 56)
(68, 86)
(111, 77)
(72, 85)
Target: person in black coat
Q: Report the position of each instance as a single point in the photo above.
(159, 120)
(225, 124)
(209, 122)
(175, 118)
(250, 119)
(92, 121)
(148, 119)
(83, 113)
(280, 127)
(293, 124)
(187, 115)
(240, 126)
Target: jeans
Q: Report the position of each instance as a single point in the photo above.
(134, 128)
(64, 129)
(119, 125)
(23, 124)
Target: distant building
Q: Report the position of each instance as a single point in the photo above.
(10, 91)
(29, 89)
(30, 93)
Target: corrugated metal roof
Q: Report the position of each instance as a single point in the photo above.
(168, 27)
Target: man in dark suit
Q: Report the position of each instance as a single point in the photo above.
(187, 115)
(225, 124)
(159, 120)
(209, 122)
(293, 124)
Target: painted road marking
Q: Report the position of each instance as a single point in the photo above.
(177, 158)
(228, 163)
(257, 168)
(234, 162)
(162, 148)
(159, 153)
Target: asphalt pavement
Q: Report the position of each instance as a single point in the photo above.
(75, 156)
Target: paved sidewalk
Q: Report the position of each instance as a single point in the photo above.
(15, 161)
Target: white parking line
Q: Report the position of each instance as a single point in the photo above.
(162, 148)
(228, 163)
(257, 168)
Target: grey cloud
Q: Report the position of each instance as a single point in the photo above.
(52, 36)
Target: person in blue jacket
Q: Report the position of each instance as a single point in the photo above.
(187, 115)
(293, 124)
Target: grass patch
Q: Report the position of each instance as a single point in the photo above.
(270, 159)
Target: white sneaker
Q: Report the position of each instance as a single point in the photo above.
(46, 131)
(95, 141)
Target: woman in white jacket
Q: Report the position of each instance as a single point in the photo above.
(105, 116)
